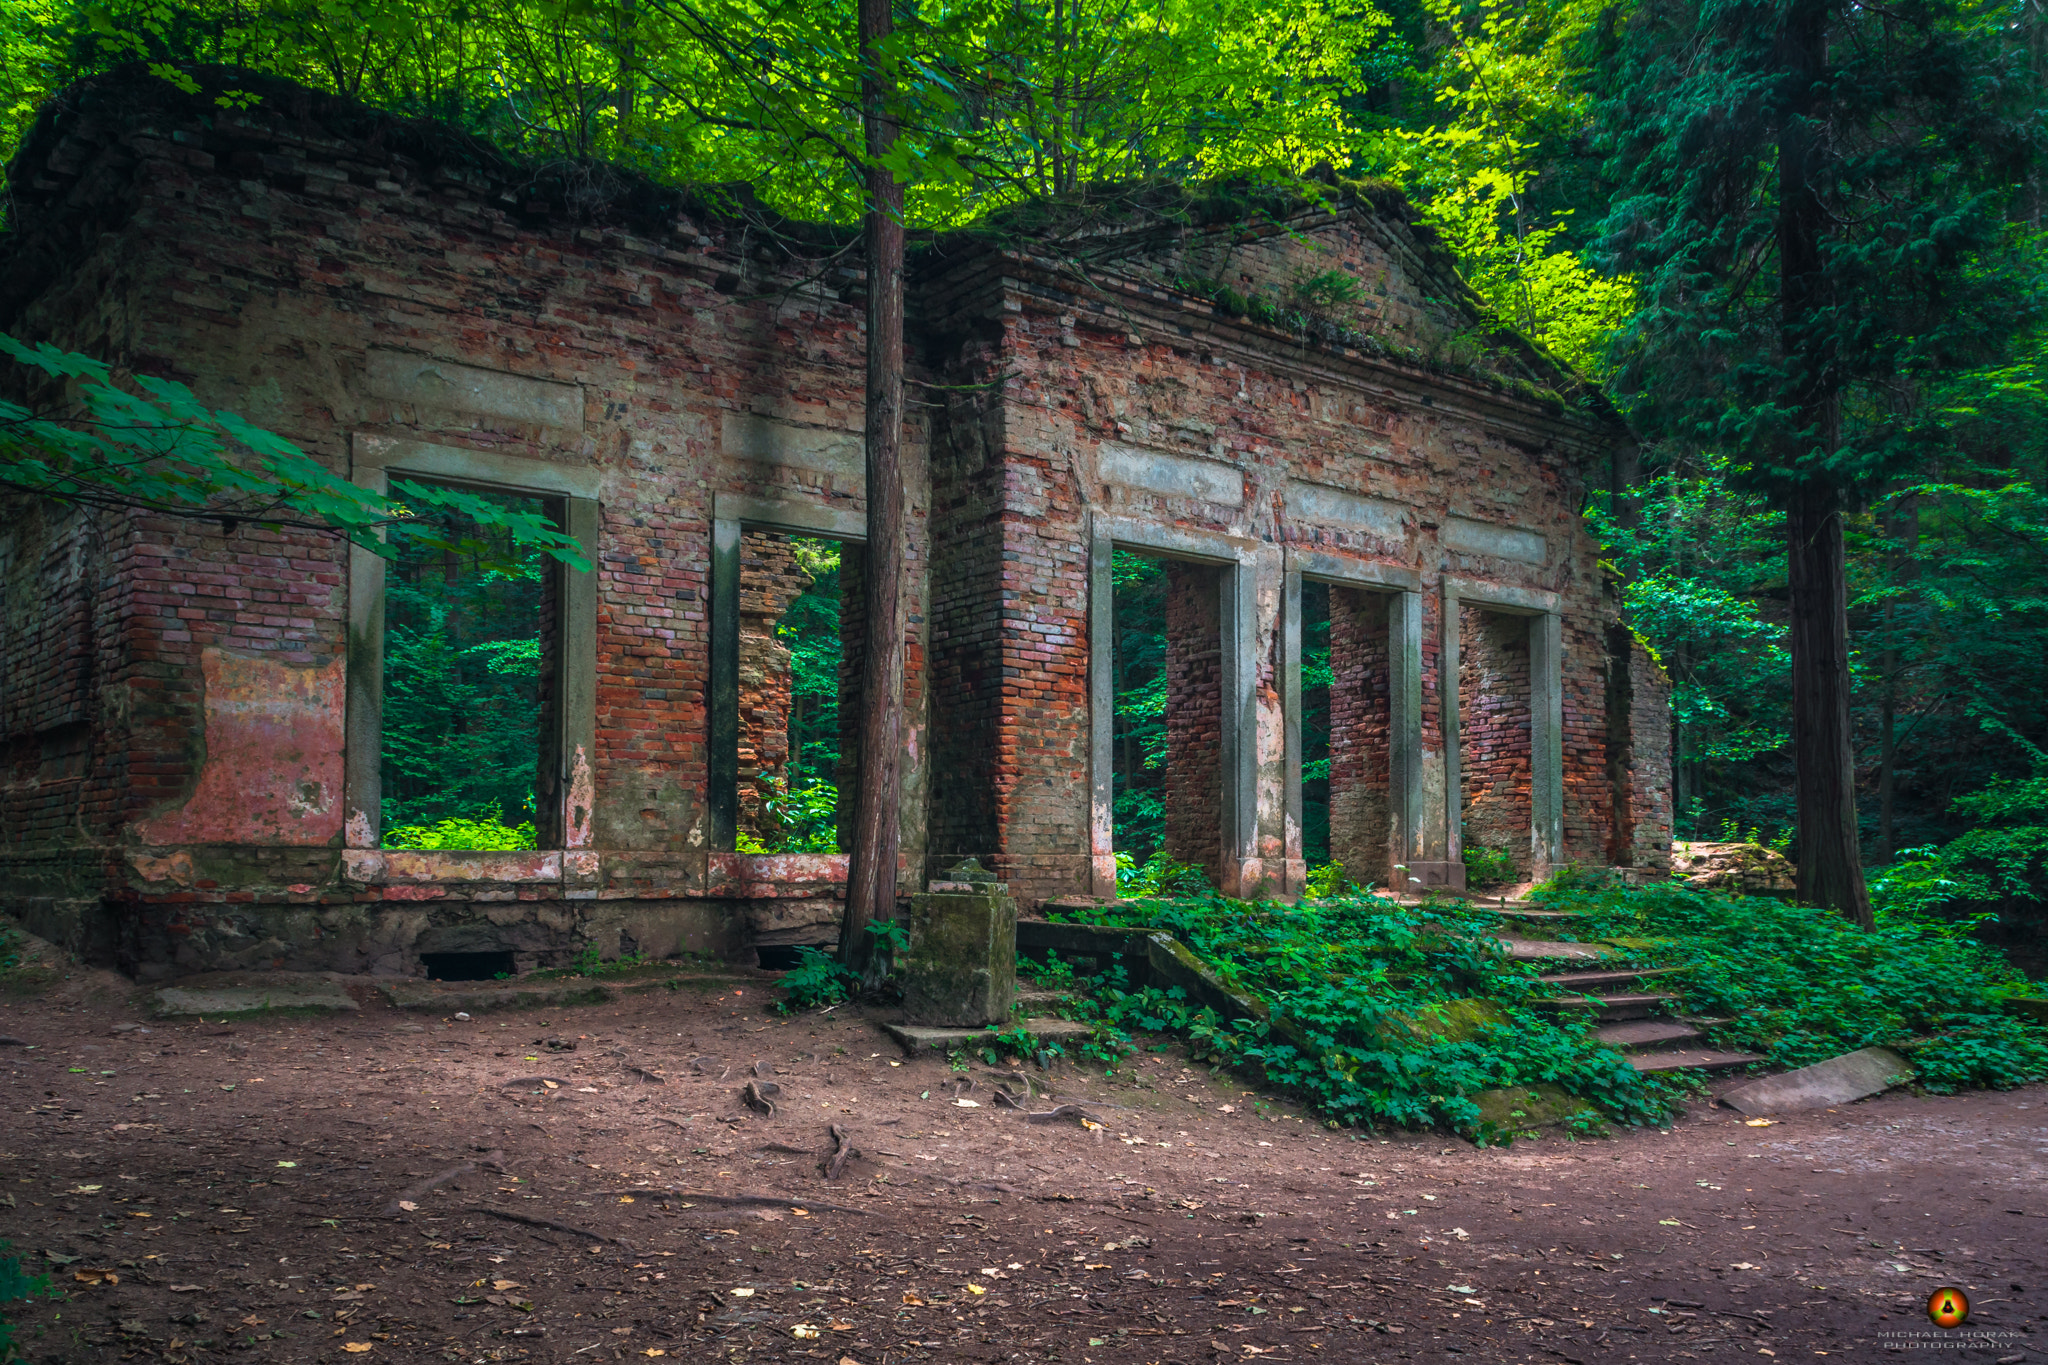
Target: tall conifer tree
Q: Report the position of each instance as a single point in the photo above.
(1818, 199)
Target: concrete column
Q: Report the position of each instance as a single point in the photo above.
(362, 779)
(1404, 731)
(1546, 740)
(1101, 715)
(1292, 846)
(1243, 872)
(576, 675)
(722, 756)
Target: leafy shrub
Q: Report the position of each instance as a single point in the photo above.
(1486, 867)
(1160, 875)
(1380, 994)
(485, 831)
(1803, 984)
(815, 982)
(17, 1286)
(1326, 881)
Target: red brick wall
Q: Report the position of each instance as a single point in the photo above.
(1361, 820)
(1493, 726)
(770, 579)
(1194, 714)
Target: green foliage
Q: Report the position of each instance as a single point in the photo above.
(462, 699)
(1381, 993)
(17, 1286)
(1327, 879)
(592, 963)
(1485, 867)
(105, 439)
(1138, 666)
(1014, 1043)
(1160, 875)
(487, 831)
(1407, 1012)
(818, 980)
(1801, 984)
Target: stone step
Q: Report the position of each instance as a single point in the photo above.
(1703, 1059)
(1516, 912)
(1644, 1032)
(1609, 1008)
(1580, 981)
(1548, 950)
(1040, 1002)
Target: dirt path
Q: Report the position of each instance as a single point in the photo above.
(235, 1184)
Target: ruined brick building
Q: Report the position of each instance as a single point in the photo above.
(192, 714)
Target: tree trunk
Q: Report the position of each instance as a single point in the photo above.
(1830, 853)
(1830, 856)
(871, 868)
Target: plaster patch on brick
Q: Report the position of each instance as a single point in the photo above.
(361, 833)
(582, 798)
(176, 867)
(273, 765)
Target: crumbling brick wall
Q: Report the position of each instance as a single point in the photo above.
(770, 579)
(1361, 816)
(1194, 716)
(1494, 734)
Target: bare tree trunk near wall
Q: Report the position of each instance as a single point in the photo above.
(1830, 856)
(871, 869)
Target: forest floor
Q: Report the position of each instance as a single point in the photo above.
(204, 1192)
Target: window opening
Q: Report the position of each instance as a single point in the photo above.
(793, 693)
(1166, 746)
(1359, 788)
(465, 691)
(1315, 725)
(1494, 753)
(468, 966)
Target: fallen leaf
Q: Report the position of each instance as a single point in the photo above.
(1669, 1223)
(95, 1277)
(968, 1104)
(1744, 1265)
(654, 1351)
(976, 1289)
(913, 1300)
(288, 1164)
(801, 1213)
(355, 1348)
(87, 1189)
(188, 1289)
(743, 1293)
(502, 1285)
(1758, 1123)
(408, 1206)
(803, 1331)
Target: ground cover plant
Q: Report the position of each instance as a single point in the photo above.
(1800, 985)
(1401, 1015)
(1381, 1014)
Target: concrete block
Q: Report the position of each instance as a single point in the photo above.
(1502, 542)
(443, 385)
(961, 969)
(1839, 1080)
(1171, 476)
(916, 1038)
(254, 993)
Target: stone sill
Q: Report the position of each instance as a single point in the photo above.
(739, 876)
